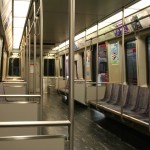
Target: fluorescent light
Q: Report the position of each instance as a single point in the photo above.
(15, 45)
(67, 42)
(17, 31)
(50, 54)
(140, 5)
(91, 30)
(110, 20)
(21, 8)
(62, 45)
(136, 7)
(55, 48)
(20, 13)
(79, 36)
(19, 22)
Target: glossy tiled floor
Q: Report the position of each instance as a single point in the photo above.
(89, 127)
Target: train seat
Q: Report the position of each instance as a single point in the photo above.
(19, 111)
(115, 93)
(108, 93)
(121, 100)
(132, 100)
(65, 90)
(122, 96)
(114, 96)
(141, 110)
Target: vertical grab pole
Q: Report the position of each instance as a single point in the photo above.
(97, 68)
(85, 53)
(122, 77)
(71, 71)
(26, 57)
(29, 26)
(34, 77)
(41, 58)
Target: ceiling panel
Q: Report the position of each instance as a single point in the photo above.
(88, 12)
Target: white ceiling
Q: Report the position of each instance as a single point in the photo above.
(88, 12)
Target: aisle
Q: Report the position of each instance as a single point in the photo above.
(88, 134)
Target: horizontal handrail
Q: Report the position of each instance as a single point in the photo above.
(34, 123)
(14, 82)
(20, 95)
(30, 137)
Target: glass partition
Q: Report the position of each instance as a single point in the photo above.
(14, 67)
(131, 68)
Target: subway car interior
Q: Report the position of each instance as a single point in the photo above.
(74, 74)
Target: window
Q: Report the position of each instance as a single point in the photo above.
(102, 63)
(93, 49)
(49, 67)
(14, 67)
(131, 69)
(1, 58)
(63, 65)
(67, 66)
(83, 67)
(148, 59)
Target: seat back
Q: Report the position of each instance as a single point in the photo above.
(54, 142)
(19, 111)
(123, 94)
(143, 100)
(132, 97)
(108, 92)
(115, 93)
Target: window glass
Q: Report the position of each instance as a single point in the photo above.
(49, 67)
(14, 67)
(131, 69)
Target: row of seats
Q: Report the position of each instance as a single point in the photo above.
(133, 99)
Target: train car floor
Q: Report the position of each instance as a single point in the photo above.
(92, 131)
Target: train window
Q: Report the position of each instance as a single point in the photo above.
(60, 66)
(94, 63)
(88, 65)
(49, 67)
(76, 69)
(14, 67)
(148, 59)
(102, 63)
(67, 66)
(83, 68)
(1, 60)
(131, 69)
(63, 66)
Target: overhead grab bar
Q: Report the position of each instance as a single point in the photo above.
(20, 96)
(34, 123)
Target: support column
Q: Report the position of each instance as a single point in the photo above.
(71, 71)
(41, 58)
(29, 26)
(26, 58)
(97, 68)
(122, 77)
(34, 77)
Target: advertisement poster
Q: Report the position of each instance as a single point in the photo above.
(118, 31)
(114, 53)
(102, 64)
(88, 65)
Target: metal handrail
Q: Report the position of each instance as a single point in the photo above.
(20, 96)
(34, 123)
(30, 137)
(14, 82)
